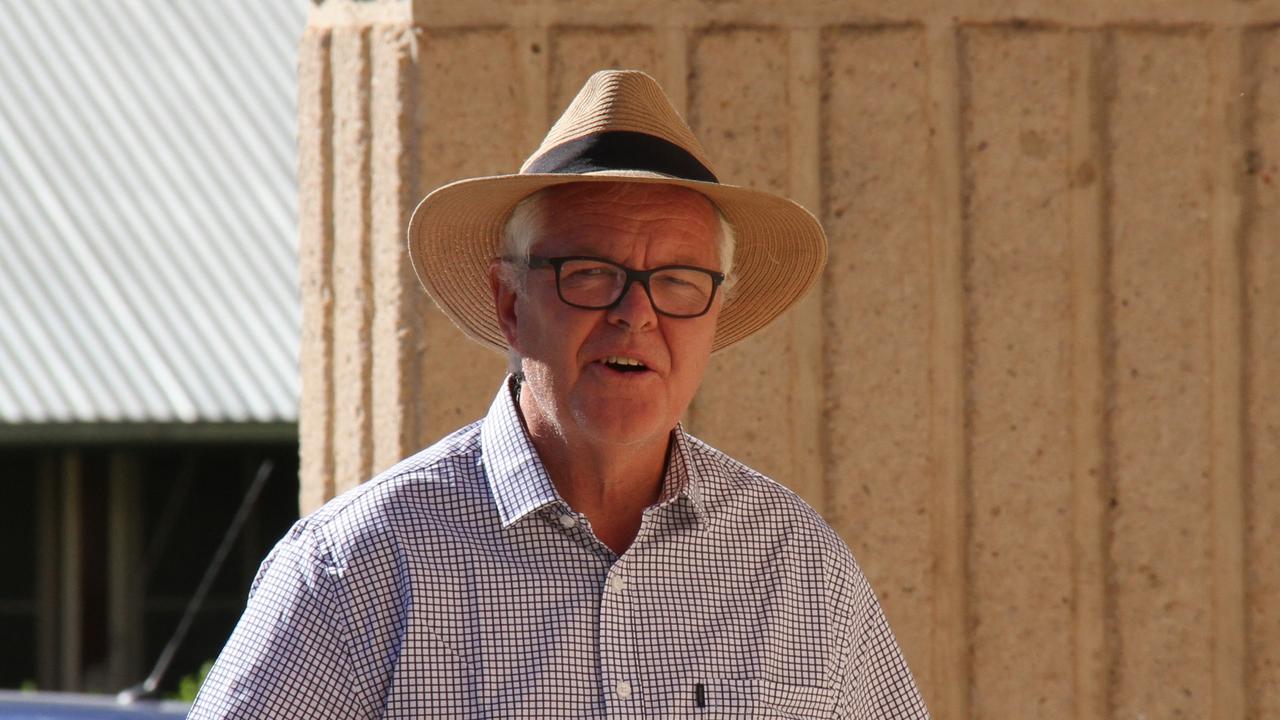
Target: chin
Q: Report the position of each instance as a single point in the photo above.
(616, 425)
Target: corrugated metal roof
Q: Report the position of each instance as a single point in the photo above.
(148, 221)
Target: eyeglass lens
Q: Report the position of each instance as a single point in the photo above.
(598, 284)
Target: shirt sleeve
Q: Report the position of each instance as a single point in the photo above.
(875, 682)
(288, 656)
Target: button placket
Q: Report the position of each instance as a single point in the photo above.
(618, 652)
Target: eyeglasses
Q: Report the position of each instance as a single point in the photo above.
(591, 283)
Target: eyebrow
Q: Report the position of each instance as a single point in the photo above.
(615, 261)
(682, 254)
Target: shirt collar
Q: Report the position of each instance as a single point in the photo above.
(520, 484)
(681, 480)
(517, 479)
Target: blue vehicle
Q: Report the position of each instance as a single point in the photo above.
(19, 705)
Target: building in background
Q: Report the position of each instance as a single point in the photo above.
(148, 324)
(1038, 388)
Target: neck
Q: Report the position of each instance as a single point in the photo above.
(610, 484)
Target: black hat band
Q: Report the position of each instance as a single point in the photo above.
(620, 150)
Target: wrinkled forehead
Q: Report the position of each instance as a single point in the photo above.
(587, 212)
(628, 193)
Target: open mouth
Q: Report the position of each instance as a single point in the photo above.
(623, 364)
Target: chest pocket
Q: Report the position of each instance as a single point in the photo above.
(745, 698)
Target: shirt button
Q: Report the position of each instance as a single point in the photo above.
(623, 688)
(568, 521)
(617, 584)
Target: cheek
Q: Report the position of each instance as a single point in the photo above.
(690, 361)
(533, 316)
(552, 334)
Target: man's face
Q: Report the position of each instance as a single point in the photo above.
(573, 387)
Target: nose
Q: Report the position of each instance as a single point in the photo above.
(634, 309)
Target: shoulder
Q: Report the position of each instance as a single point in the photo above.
(768, 524)
(421, 495)
(735, 494)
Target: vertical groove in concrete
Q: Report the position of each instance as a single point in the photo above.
(1088, 382)
(418, 305)
(352, 324)
(674, 58)
(1227, 472)
(952, 662)
(395, 288)
(1104, 94)
(805, 185)
(1018, 331)
(674, 50)
(315, 258)
(1260, 225)
(1161, 308)
(875, 139)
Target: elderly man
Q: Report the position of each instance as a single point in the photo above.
(575, 553)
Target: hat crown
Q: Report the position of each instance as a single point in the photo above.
(621, 100)
(620, 128)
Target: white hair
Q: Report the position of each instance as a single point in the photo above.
(525, 225)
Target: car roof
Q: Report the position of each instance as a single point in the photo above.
(31, 705)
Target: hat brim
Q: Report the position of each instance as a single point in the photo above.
(455, 233)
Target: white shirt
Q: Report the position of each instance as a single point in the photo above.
(459, 584)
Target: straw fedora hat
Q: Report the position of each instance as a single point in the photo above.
(620, 127)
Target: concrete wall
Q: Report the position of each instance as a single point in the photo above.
(1038, 389)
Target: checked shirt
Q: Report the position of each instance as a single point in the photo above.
(459, 584)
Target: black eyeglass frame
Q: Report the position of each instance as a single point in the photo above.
(632, 276)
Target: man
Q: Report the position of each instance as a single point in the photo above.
(575, 553)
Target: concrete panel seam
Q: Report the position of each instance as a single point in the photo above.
(804, 181)
(1200, 30)
(1228, 420)
(315, 214)
(953, 661)
(1091, 469)
(1103, 82)
(624, 28)
(1090, 14)
(352, 277)
(365, 440)
(1014, 24)
(1252, 49)
(829, 31)
(964, 316)
(461, 31)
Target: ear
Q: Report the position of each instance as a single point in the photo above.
(504, 303)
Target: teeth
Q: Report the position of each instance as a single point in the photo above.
(619, 360)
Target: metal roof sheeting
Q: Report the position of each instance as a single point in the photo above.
(148, 221)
